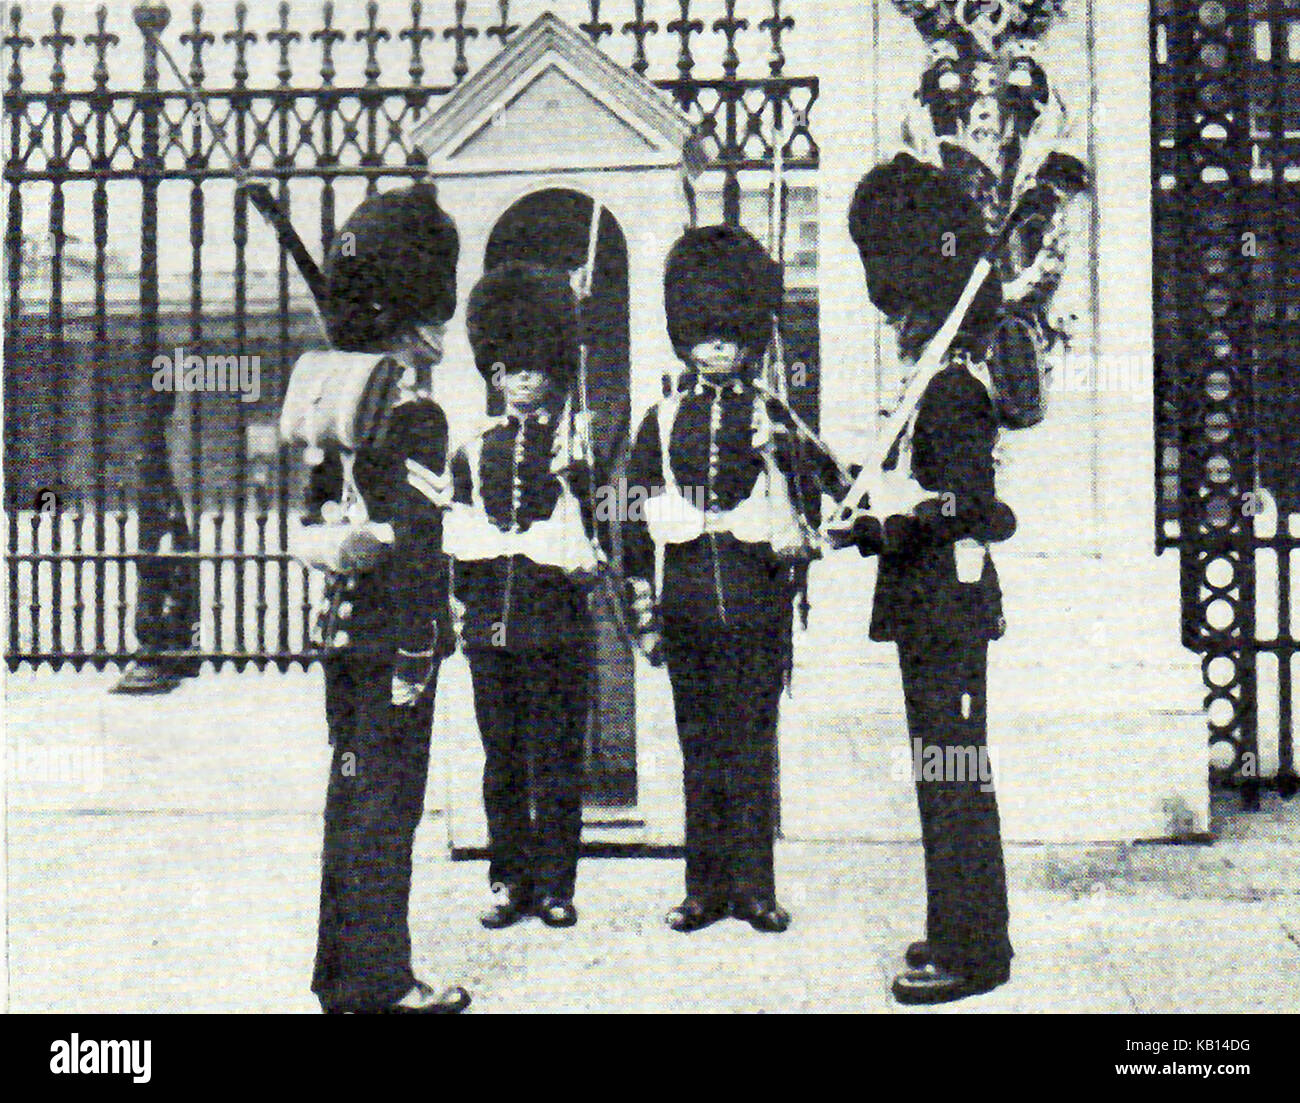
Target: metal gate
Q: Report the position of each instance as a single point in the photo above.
(145, 517)
(1225, 188)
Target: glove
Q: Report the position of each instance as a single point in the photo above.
(342, 547)
(899, 495)
(366, 547)
(642, 603)
(412, 673)
(867, 535)
(645, 619)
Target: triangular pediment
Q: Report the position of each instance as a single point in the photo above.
(551, 100)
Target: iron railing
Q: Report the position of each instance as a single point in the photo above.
(143, 519)
(1225, 173)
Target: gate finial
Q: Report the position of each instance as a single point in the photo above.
(284, 38)
(594, 27)
(417, 36)
(460, 33)
(639, 28)
(684, 26)
(372, 36)
(327, 36)
(58, 42)
(101, 40)
(776, 25)
(241, 36)
(196, 38)
(17, 42)
(503, 30)
(730, 26)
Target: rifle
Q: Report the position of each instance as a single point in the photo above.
(258, 192)
(638, 639)
(1060, 178)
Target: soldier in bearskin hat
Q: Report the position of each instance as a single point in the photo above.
(937, 594)
(391, 286)
(710, 549)
(518, 534)
(984, 186)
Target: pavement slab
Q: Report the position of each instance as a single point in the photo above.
(183, 876)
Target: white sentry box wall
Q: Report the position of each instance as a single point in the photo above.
(551, 111)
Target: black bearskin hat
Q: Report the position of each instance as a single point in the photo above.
(720, 282)
(920, 236)
(525, 316)
(392, 263)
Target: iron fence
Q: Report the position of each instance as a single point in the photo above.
(142, 519)
(1226, 198)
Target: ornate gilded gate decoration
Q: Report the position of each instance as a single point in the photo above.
(1224, 169)
(91, 514)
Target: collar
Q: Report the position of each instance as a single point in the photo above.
(541, 417)
(697, 383)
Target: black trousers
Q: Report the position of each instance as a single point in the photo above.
(944, 686)
(531, 708)
(726, 691)
(167, 602)
(373, 805)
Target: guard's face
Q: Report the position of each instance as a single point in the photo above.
(983, 102)
(524, 390)
(420, 349)
(983, 130)
(427, 341)
(717, 356)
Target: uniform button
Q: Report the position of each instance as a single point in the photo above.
(345, 610)
(341, 639)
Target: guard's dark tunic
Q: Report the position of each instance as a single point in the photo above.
(726, 609)
(527, 636)
(379, 769)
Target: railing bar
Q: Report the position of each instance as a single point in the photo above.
(241, 342)
(34, 598)
(98, 380)
(369, 173)
(121, 518)
(281, 452)
(197, 217)
(58, 361)
(1285, 733)
(13, 312)
(135, 556)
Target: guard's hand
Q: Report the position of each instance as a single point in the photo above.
(341, 547)
(411, 676)
(899, 494)
(867, 534)
(840, 530)
(365, 547)
(642, 603)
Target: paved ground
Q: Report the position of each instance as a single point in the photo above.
(180, 875)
